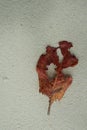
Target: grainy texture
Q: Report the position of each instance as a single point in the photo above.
(26, 27)
(55, 88)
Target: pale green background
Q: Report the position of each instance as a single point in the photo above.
(26, 27)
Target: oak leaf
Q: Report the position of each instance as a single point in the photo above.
(55, 88)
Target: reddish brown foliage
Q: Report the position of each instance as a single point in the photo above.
(56, 87)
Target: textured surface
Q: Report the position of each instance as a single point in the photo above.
(26, 27)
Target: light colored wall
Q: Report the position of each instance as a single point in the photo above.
(26, 28)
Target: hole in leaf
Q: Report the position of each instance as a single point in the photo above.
(51, 71)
